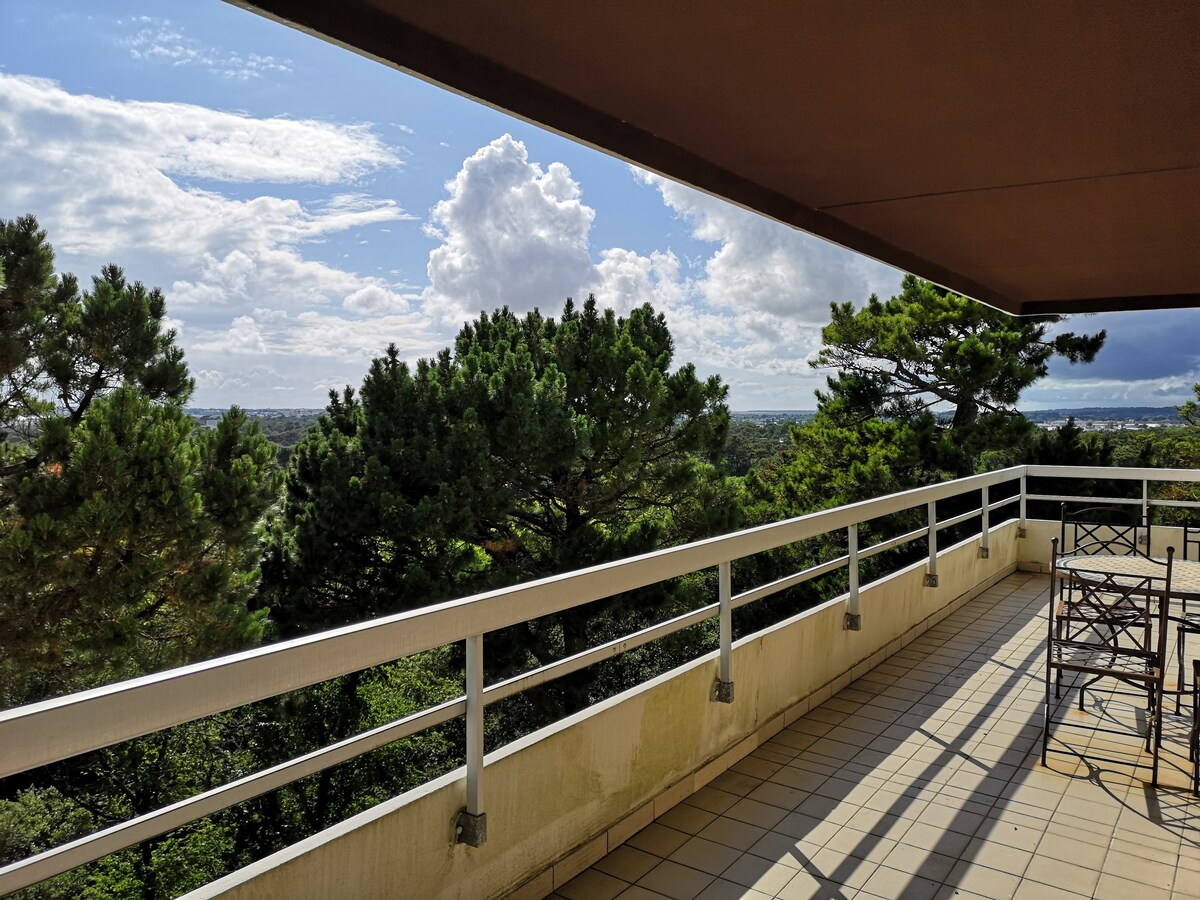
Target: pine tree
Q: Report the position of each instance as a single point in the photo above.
(128, 541)
(535, 446)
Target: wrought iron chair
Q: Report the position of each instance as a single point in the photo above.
(1106, 647)
(1099, 531)
(1194, 736)
(1103, 530)
(1186, 622)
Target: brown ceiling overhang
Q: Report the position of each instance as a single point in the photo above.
(1043, 157)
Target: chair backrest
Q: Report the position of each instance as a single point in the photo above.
(1191, 542)
(1103, 531)
(1108, 591)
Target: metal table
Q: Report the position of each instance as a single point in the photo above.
(1185, 573)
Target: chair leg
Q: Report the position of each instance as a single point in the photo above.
(1157, 743)
(1058, 676)
(1179, 659)
(1046, 714)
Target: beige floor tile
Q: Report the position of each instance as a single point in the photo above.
(760, 874)
(1136, 867)
(658, 839)
(885, 882)
(1111, 887)
(949, 892)
(735, 783)
(673, 880)
(592, 885)
(918, 861)
(881, 824)
(927, 769)
(1065, 875)
(627, 863)
(827, 808)
(706, 856)
(982, 880)
(639, 893)
(712, 799)
(754, 767)
(1011, 834)
(1070, 829)
(1068, 848)
(940, 840)
(951, 819)
(1033, 890)
(732, 833)
(806, 886)
(787, 851)
(800, 779)
(755, 812)
(779, 795)
(729, 890)
(807, 828)
(997, 856)
(861, 845)
(686, 818)
(773, 754)
(841, 869)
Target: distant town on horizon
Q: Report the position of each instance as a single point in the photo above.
(1089, 418)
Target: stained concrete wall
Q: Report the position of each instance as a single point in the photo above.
(561, 798)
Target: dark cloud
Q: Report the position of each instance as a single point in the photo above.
(1140, 345)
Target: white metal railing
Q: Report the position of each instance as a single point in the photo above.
(63, 727)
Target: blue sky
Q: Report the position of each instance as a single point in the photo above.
(302, 207)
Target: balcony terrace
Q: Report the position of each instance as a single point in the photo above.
(882, 743)
(922, 778)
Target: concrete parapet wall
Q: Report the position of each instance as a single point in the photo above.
(1034, 549)
(561, 798)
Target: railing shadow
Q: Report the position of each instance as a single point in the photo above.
(823, 838)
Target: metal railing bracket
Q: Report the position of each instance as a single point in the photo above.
(471, 830)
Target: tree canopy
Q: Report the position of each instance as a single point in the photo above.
(929, 346)
(129, 541)
(1190, 411)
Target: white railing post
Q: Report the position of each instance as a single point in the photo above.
(472, 821)
(853, 620)
(931, 579)
(1021, 524)
(724, 687)
(984, 544)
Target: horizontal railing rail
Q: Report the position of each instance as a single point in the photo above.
(60, 728)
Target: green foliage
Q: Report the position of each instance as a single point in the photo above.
(749, 444)
(134, 550)
(875, 431)
(326, 713)
(27, 265)
(532, 447)
(930, 346)
(535, 446)
(128, 542)
(1190, 411)
(63, 348)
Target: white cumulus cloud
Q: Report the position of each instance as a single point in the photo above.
(511, 233)
(767, 266)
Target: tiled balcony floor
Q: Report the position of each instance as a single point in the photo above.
(923, 779)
